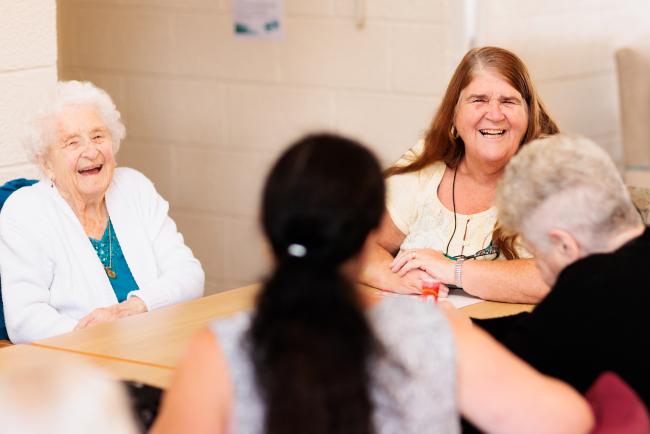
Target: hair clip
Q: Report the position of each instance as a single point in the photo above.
(297, 250)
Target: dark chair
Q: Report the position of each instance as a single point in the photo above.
(617, 408)
(5, 191)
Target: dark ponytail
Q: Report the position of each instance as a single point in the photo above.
(310, 340)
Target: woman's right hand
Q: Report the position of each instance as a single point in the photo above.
(381, 246)
(409, 283)
(431, 261)
(132, 306)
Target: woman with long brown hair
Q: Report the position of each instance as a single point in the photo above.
(440, 213)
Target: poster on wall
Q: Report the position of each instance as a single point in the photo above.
(258, 19)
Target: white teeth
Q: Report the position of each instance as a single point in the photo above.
(492, 132)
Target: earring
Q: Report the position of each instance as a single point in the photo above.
(453, 132)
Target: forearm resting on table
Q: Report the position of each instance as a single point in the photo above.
(513, 281)
(376, 271)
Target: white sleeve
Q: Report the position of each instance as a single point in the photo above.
(181, 275)
(26, 274)
(411, 155)
(402, 191)
(401, 199)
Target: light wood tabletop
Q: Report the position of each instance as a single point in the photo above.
(482, 309)
(159, 337)
(147, 347)
(32, 356)
(493, 309)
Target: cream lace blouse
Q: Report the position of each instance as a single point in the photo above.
(413, 204)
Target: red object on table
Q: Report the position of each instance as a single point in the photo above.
(430, 288)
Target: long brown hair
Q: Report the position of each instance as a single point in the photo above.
(440, 144)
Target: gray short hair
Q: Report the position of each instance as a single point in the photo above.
(42, 132)
(63, 396)
(564, 182)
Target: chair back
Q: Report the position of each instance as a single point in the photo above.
(633, 71)
(5, 191)
(617, 408)
(641, 198)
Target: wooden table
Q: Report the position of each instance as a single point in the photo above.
(493, 309)
(157, 338)
(147, 347)
(35, 356)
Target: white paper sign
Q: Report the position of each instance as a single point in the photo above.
(260, 19)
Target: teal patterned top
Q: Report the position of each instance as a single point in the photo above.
(110, 254)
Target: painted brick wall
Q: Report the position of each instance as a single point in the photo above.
(569, 47)
(206, 114)
(27, 65)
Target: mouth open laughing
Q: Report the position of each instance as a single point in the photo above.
(492, 132)
(91, 170)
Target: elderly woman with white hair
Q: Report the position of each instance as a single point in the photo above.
(93, 242)
(567, 200)
(63, 396)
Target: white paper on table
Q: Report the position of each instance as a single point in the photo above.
(460, 298)
(457, 297)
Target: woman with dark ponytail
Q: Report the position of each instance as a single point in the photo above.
(310, 341)
(319, 356)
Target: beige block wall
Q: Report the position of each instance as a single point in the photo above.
(569, 47)
(27, 66)
(207, 114)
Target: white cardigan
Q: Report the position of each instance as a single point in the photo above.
(51, 275)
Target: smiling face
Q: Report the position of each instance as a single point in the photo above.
(81, 161)
(491, 118)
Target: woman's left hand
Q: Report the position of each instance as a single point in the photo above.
(129, 307)
(431, 261)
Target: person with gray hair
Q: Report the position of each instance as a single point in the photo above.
(62, 397)
(564, 196)
(92, 242)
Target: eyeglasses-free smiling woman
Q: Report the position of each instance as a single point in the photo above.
(439, 210)
(93, 242)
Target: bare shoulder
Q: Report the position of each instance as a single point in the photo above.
(200, 397)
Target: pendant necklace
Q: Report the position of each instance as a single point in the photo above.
(109, 271)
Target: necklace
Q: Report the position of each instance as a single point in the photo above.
(104, 251)
(109, 270)
(453, 202)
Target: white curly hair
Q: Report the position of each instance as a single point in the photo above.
(63, 396)
(42, 129)
(564, 182)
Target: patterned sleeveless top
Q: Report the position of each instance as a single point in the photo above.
(413, 387)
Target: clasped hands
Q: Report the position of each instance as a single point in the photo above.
(128, 307)
(412, 266)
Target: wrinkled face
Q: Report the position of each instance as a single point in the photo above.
(81, 161)
(491, 118)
